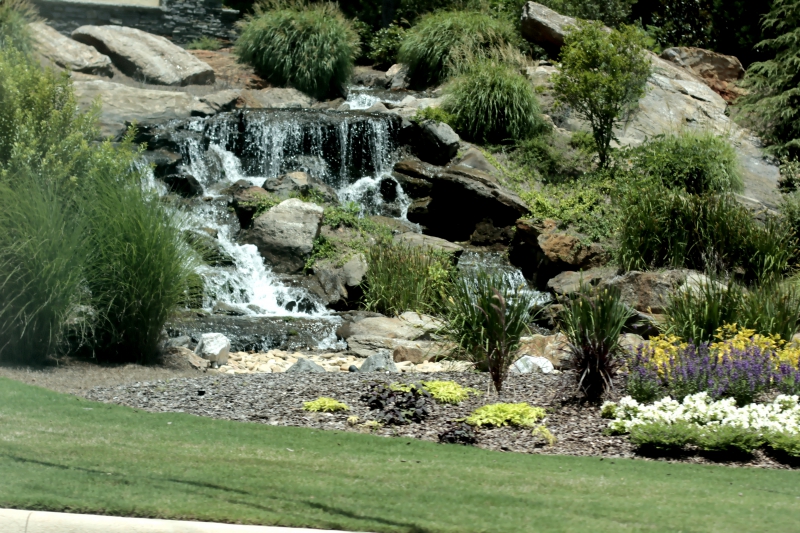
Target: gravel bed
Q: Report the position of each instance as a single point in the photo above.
(277, 399)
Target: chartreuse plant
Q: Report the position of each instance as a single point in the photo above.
(311, 46)
(449, 391)
(506, 414)
(325, 405)
(603, 75)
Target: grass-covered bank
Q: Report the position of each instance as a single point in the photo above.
(65, 453)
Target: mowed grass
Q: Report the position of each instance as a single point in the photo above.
(63, 453)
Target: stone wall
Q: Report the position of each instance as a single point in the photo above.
(180, 20)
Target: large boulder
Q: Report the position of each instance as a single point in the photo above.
(245, 198)
(146, 57)
(545, 27)
(426, 242)
(457, 199)
(340, 285)
(68, 53)
(285, 234)
(435, 142)
(123, 105)
(214, 347)
(275, 98)
(304, 366)
(719, 71)
(542, 251)
(300, 183)
(379, 362)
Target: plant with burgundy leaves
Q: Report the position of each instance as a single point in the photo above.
(399, 405)
(592, 322)
(461, 433)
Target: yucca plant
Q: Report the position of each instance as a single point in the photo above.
(428, 45)
(486, 317)
(592, 322)
(491, 102)
(311, 47)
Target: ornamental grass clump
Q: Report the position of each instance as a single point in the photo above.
(325, 405)
(506, 414)
(15, 15)
(311, 47)
(493, 103)
(592, 322)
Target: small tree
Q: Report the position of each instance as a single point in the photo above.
(603, 73)
(774, 99)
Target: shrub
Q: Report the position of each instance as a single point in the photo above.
(461, 433)
(552, 158)
(695, 163)
(15, 15)
(772, 99)
(205, 43)
(505, 414)
(602, 75)
(697, 313)
(486, 317)
(771, 309)
(311, 48)
(398, 405)
(436, 114)
(385, 45)
(324, 405)
(663, 436)
(402, 278)
(493, 103)
(786, 442)
(448, 391)
(592, 322)
(429, 44)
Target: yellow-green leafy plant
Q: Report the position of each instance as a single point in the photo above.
(448, 391)
(506, 414)
(353, 420)
(325, 405)
(545, 434)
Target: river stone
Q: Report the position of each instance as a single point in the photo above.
(410, 354)
(214, 347)
(435, 142)
(68, 53)
(305, 365)
(300, 183)
(123, 105)
(380, 362)
(222, 100)
(146, 57)
(529, 363)
(545, 27)
(285, 234)
(398, 77)
(275, 98)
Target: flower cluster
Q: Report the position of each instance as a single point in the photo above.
(780, 416)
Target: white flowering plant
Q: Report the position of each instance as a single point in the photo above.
(709, 424)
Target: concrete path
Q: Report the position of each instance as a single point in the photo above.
(16, 521)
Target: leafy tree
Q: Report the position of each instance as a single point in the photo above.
(774, 85)
(603, 73)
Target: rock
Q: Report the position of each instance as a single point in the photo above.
(285, 234)
(222, 100)
(178, 342)
(486, 234)
(68, 53)
(417, 240)
(367, 345)
(435, 142)
(554, 348)
(221, 308)
(329, 104)
(398, 77)
(352, 368)
(570, 282)
(474, 158)
(377, 107)
(458, 199)
(305, 365)
(196, 362)
(214, 347)
(183, 184)
(209, 247)
(341, 284)
(528, 364)
(718, 71)
(122, 105)
(380, 362)
(163, 162)
(245, 200)
(146, 57)
(392, 328)
(648, 292)
(541, 251)
(395, 224)
(275, 98)
(229, 71)
(406, 353)
(630, 342)
(369, 77)
(545, 27)
(300, 183)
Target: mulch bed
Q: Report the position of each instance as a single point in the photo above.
(277, 399)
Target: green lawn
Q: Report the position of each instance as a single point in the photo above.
(63, 453)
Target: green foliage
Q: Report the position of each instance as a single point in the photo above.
(261, 204)
(486, 317)
(492, 103)
(385, 45)
(15, 15)
(310, 47)
(506, 414)
(696, 163)
(402, 278)
(771, 308)
(205, 43)
(552, 158)
(364, 234)
(717, 438)
(436, 114)
(325, 405)
(428, 46)
(788, 443)
(663, 436)
(773, 98)
(592, 322)
(448, 391)
(609, 12)
(602, 76)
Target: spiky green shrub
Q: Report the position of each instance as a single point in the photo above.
(506, 414)
(428, 45)
(486, 317)
(698, 163)
(15, 15)
(324, 405)
(493, 103)
(310, 47)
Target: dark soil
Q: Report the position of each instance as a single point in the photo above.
(277, 399)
